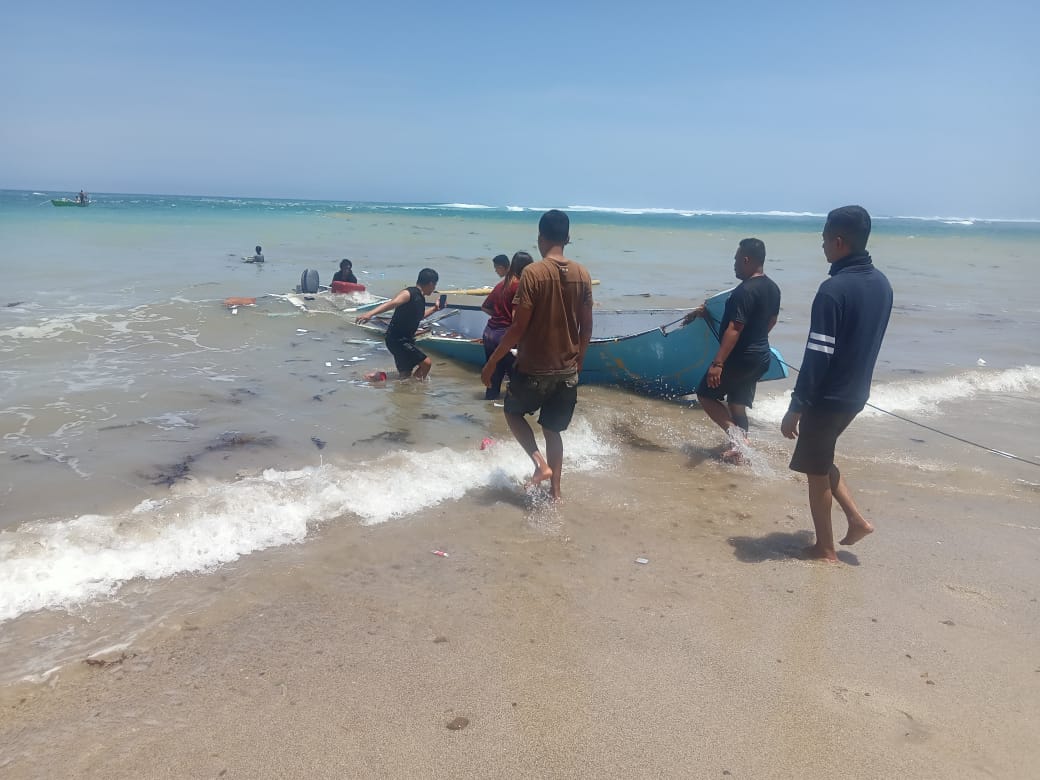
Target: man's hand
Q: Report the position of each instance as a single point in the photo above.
(698, 312)
(487, 372)
(363, 318)
(714, 376)
(789, 426)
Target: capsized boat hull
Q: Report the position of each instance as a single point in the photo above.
(644, 350)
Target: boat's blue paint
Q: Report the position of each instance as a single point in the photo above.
(648, 350)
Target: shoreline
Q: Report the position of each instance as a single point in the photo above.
(351, 653)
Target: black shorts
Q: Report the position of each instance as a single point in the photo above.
(556, 396)
(739, 378)
(818, 432)
(406, 355)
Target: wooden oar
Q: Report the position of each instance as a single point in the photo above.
(478, 290)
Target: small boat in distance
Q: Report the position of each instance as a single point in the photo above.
(80, 200)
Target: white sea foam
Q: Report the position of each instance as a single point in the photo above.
(691, 212)
(201, 525)
(462, 206)
(922, 397)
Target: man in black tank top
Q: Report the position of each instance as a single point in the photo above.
(409, 307)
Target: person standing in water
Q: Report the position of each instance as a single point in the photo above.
(345, 272)
(849, 317)
(499, 308)
(552, 326)
(258, 257)
(727, 390)
(409, 307)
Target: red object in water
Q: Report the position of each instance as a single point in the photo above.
(346, 287)
(486, 442)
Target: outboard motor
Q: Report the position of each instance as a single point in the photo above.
(309, 281)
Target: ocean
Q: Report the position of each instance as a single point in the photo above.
(154, 442)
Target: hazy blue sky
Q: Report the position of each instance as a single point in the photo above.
(923, 108)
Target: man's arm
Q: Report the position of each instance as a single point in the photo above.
(516, 331)
(819, 351)
(584, 332)
(402, 297)
(726, 344)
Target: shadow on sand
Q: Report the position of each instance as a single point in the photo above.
(779, 546)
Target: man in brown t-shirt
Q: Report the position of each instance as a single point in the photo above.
(552, 325)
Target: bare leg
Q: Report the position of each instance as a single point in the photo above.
(820, 506)
(859, 526)
(525, 436)
(717, 411)
(554, 454)
(423, 369)
(738, 413)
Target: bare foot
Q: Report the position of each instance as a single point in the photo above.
(734, 457)
(542, 472)
(816, 553)
(857, 532)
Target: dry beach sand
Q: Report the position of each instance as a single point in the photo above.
(554, 654)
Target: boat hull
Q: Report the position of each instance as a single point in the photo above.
(648, 351)
(67, 202)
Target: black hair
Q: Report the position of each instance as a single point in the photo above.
(520, 261)
(754, 249)
(258, 249)
(344, 263)
(500, 260)
(852, 223)
(555, 226)
(427, 276)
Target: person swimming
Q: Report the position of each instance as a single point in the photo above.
(257, 258)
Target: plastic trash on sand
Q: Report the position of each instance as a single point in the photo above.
(643, 560)
(439, 553)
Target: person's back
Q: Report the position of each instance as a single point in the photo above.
(407, 316)
(849, 317)
(555, 289)
(755, 302)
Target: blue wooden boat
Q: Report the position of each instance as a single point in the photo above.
(646, 350)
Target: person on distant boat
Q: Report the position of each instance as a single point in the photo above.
(409, 307)
(846, 327)
(743, 355)
(345, 272)
(499, 308)
(258, 257)
(552, 327)
(82, 197)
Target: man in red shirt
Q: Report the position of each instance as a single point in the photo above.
(552, 326)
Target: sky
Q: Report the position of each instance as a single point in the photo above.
(909, 108)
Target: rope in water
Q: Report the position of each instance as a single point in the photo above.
(1011, 456)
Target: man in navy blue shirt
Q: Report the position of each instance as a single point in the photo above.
(727, 389)
(849, 317)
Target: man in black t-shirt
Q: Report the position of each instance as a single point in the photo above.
(345, 272)
(743, 355)
(410, 309)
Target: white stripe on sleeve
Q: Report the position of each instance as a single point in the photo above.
(820, 337)
(820, 348)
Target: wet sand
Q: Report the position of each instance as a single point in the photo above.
(553, 653)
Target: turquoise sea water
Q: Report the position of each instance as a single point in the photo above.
(147, 430)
